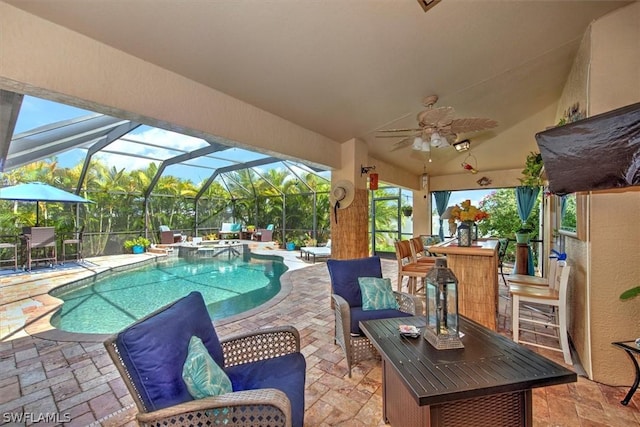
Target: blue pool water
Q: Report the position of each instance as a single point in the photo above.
(113, 302)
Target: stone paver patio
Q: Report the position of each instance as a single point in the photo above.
(54, 378)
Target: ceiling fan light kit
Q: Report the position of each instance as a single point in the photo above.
(462, 145)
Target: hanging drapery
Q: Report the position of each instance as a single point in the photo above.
(525, 201)
(442, 201)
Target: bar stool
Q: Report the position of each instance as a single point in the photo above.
(554, 295)
(77, 240)
(14, 258)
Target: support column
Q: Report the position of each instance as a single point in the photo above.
(350, 233)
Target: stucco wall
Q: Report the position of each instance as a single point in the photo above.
(576, 92)
(615, 235)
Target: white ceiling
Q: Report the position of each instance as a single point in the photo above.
(346, 68)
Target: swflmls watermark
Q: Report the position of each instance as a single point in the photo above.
(36, 417)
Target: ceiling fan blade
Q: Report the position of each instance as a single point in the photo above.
(472, 125)
(399, 130)
(402, 144)
(391, 136)
(432, 117)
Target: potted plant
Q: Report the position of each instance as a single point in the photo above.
(532, 171)
(137, 245)
(523, 235)
(407, 210)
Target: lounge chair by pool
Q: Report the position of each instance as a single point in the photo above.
(314, 252)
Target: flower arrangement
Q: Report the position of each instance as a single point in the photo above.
(467, 212)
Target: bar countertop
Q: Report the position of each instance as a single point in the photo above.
(482, 247)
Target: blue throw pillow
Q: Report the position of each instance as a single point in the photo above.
(377, 294)
(344, 275)
(201, 374)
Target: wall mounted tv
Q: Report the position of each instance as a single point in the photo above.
(598, 153)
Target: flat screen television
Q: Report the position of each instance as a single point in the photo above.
(597, 153)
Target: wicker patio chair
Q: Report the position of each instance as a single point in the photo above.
(266, 370)
(347, 303)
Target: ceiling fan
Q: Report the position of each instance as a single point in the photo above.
(436, 128)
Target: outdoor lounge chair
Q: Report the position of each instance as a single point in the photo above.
(348, 306)
(316, 251)
(266, 370)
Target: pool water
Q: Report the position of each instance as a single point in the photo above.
(113, 302)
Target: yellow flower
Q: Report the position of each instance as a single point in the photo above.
(467, 212)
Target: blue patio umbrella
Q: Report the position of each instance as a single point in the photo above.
(39, 192)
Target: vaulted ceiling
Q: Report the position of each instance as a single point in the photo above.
(345, 69)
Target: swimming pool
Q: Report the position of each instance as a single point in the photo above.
(109, 304)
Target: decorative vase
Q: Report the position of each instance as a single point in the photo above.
(464, 234)
(474, 231)
(137, 249)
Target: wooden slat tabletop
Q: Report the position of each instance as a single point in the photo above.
(489, 363)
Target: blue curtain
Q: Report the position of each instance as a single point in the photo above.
(525, 200)
(563, 206)
(442, 201)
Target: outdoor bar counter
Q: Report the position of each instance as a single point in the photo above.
(476, 268)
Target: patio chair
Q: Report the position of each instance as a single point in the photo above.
(40, 245)
(347, 302)
(265, 369)
(263, 234)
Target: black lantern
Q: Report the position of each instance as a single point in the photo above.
(442, 328)
(464, 234)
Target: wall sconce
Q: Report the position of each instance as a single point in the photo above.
(373, 177)
(462, 145)
(366, 169)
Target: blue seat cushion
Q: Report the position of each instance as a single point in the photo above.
(285, 373)
(345, 273)
(358, 315)
(155, 348)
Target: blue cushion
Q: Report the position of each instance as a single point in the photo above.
(285, 373)
(344, 276)
(377, 294)
(203, 376)
(236, 227)
(155, 349)
(270, 227)
(358, 315)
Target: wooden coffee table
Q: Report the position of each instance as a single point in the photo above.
(487, 383)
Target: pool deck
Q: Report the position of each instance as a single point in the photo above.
(42, 371)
